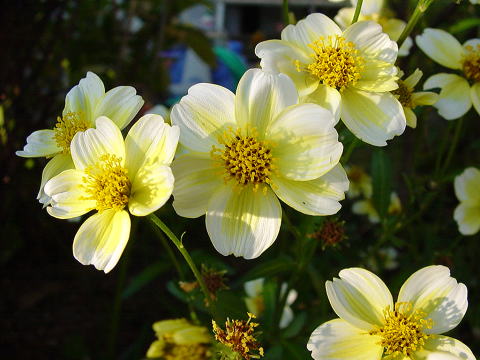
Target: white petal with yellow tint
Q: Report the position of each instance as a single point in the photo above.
(68, 198)
(150, 141)
(280, 56)
(243, 222)
(424, 98)
(443, 345)
(310, 29)
(412, 80)
(345, 15)
(467, 218)
(120, 104)
(254, 287)
(359, 297)
(84, 97)
(370, 6)
(410, 117)
(151, 188)
(202, 115)
(454, 98)
(87, 147)
(475, 96)
(320, 196)
(196, 179)
(433, 291)
(55, 166)
(441, 47)
(466, 186)
(40, 143)
(102, 238)
(305, 142)
(377, 76)
(372, 117)
(260, 97)
(327, 97)
(338, 340)
(365, 207)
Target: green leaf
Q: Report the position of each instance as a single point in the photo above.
(296, 351)
(381, 181)
(196, 40)
(295, 326)
(464, 24)
(270, 294)
(269, 268)
(145, 277)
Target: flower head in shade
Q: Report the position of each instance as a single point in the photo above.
(349, 72)
(410, 99)
(178, 339)
(366, 207)
(371, 326)
(457, 91)
(360, 182)
(244, 151)
(110, 176)
(467, 213)
(255, 300)
(84, 103)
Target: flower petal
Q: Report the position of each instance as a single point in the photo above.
(151, 189)
(84, 97)
(202, 115)
(444, 345)
(40, 143)
(196, 180)
(244, 222)
(120, 104)
(377, 76)
(454, 98)
(359, 297)
(253, 288)
(305, 141)
(475, 96)
(101, 239)
(372, 117)
(315, 197)
(467, 218)
(412, 80)
(68, 196)
(466, 186)
(424, 98)
(338, 340)
(327, 97)
(150, 141)
(261, 96)
(55, 166)
(441, 47)
(410, 117)
(87, 147)
(433, 291)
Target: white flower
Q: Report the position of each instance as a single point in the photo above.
(372, 327)
(247, 149)
(84, 103)
(467, 213)
(349, 72)
(458, 93)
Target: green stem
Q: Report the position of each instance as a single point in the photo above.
(421, 7)
(286, 13)
(185, 255)
(348, 153)
(453, 145)
(358, 8)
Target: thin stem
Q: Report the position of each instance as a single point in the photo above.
(421, 7)
(348, 153)
(358, 8)
(453, 145)
(185, 255)
(286, 13)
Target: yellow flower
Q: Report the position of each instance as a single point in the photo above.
(178, 339)
(371, 326)
(84, 103)
(467, 213)
(244, 150)
(360, 182)
(111, 174)
(349, 72)
(366, 207)
(458, 92)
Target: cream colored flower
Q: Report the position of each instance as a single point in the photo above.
(457, 92)
(349, 72)
(110, 175)
(410, 99)
(467, 213)
(372, 327)
(366, 207)
(360, 182)
(84, 103)
(255, 300)
(247, 149)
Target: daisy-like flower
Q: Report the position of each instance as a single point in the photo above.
(360, 182)
(374, 10)
(244, 150)
(366, 207)
(110, 175)
(457, 92)
(410, 99)
(467, 213)
(349, 72)
(371, 326)
(84, 103)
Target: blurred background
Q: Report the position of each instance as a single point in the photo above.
(53, 307)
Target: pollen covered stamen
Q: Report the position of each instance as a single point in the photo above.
(403, 332)
(244, 158)
(337, 62)
(107, 183)
(471, 63)
(66, 128)
(404, 94)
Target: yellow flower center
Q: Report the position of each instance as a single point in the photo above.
(107, 183)
(471, 63)
(66, 128)
(337, 62)
(404, 94)
(403, 329)
(244, 158)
